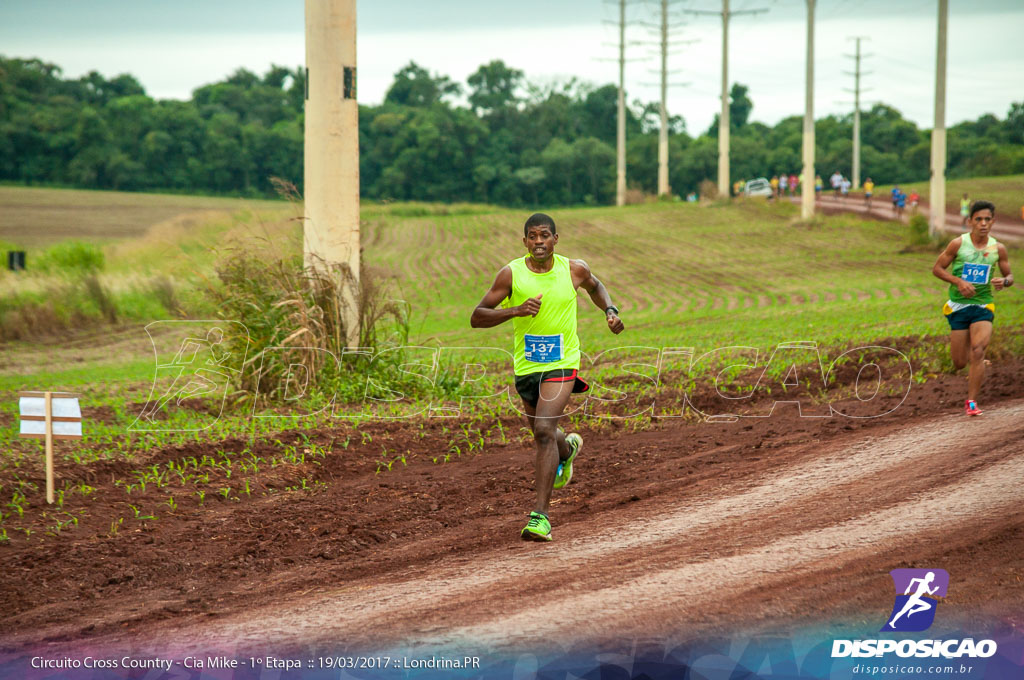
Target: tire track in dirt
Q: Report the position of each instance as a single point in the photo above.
(983, 493)
(434, 603)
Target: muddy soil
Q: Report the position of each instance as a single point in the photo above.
(686, 529)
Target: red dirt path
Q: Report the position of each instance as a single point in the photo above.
(1007, 227)
(686, 529)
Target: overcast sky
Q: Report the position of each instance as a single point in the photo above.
(175, 46)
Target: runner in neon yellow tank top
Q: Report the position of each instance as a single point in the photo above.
(538, 292)
(970, 309)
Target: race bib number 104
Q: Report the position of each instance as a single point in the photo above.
(975, 274)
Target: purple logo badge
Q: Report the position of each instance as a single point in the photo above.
(917, 595)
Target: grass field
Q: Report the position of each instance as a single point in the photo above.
(1006, 192)
(703, 276)
(683, 274)
(33, 218)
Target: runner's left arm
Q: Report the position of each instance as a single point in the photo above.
(598, 294)
(1004, 268)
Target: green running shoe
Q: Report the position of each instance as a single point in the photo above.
(564, 472)
(537, 529)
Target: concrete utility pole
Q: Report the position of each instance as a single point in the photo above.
(620, 137)
(807, 183)
(663, 187)
(331, 170)
(664, 29)
(937, 223)
(856, 110)
(723, 118)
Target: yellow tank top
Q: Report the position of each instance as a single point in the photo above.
(546, 341)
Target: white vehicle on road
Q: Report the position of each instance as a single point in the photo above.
(757, 187)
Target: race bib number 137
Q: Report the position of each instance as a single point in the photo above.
(543, 349)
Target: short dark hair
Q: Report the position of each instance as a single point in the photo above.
(539, 220)
(983, 205)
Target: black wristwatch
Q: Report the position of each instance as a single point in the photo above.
(611, 308)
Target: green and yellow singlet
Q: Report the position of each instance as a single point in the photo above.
(546, 341)
(969, 254)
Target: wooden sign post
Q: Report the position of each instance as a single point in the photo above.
(49, 416)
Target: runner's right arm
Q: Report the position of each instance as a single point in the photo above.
(945, 259)
(486, 315)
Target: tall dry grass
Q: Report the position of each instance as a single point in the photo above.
(301, 311)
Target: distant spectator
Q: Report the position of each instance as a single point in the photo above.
(914, 199)
(835, 181)
(774, 181)
(792, 183)
(901, 201)
(783, 184)
(818, 185)
(869, 188)
(895, 195)
(965, 209)
(844, 187)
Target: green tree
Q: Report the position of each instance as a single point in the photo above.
(493, 87)
(594, 166)
(414, 86)
(740, 106)
(1015, 124)
(531, 177)
(557, 161)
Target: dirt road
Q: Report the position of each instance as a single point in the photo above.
(663, 567)
(1007, 226)
(684, 530)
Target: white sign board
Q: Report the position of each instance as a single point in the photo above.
(49, 416)
(65, 415)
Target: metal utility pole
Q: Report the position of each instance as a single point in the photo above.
(856, 110)
(723, 118)
(807, 184)
(620, 137)
(937, 223)
(331, 165)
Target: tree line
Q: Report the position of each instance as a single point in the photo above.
(498, 138)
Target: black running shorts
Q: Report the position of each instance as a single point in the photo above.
(528, 386)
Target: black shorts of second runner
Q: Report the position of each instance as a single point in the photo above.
(962, 319)
(528, 386)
